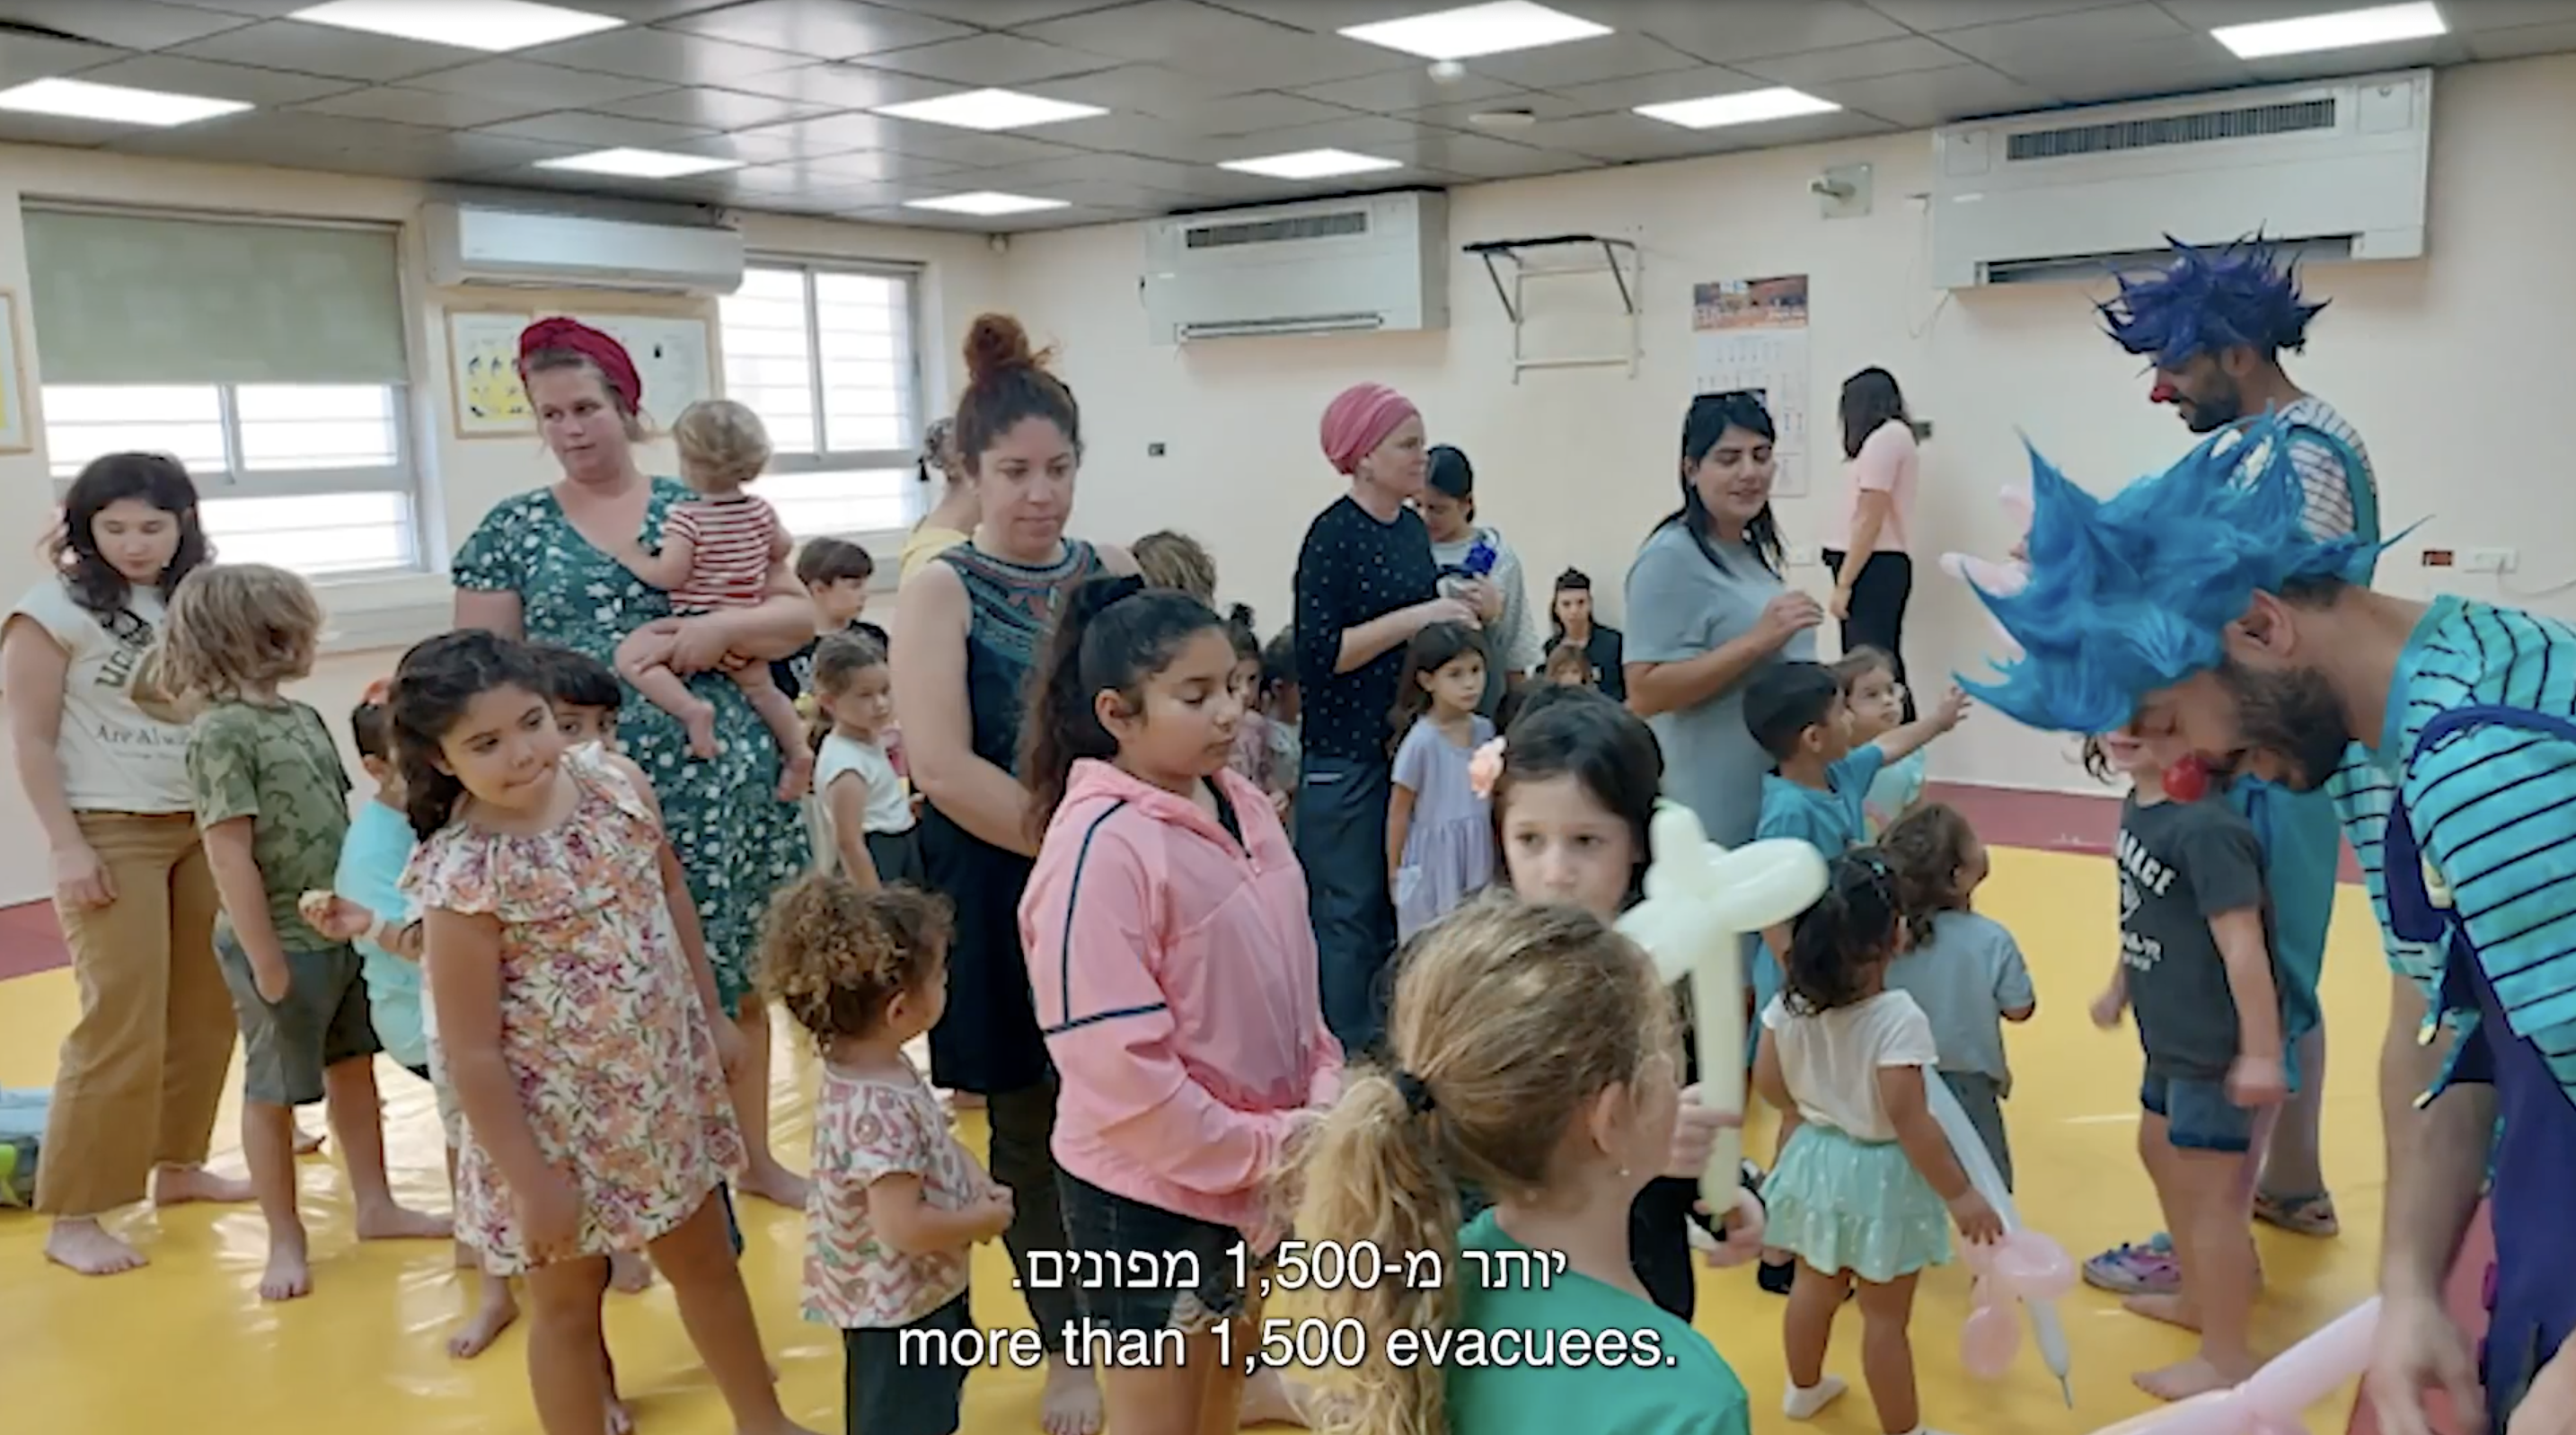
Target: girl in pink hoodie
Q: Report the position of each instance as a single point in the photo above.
(1174, 972)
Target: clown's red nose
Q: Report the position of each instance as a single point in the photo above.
(2163, 393)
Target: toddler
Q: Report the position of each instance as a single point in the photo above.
(1283, 709)
(1875, 697)
(1964, 970)
(584, 694)
(896, 1202)
(1166, 559)
(272, 805)
(1858, 1194)
(1439, 831)
(836, 574)
(1256, 751)
(866, 809)
(723, 549)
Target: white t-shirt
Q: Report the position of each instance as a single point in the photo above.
(1831, 1060)
(889, 806)
(114, 758)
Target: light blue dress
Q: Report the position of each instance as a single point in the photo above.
(1449, 848)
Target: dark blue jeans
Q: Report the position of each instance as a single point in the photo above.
(1341, 842)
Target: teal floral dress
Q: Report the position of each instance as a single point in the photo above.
(736, 841)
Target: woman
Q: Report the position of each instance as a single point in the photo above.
(1366, 583)
(1707, 610)
(1869, 551)
(973, 619)
(1569, 615)
(540, 567)
(946, 525)
(1448, 509)
(143, 1070)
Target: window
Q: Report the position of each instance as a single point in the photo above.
(827, 358)
(267, 357)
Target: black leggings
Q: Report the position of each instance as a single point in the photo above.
(1878, 609)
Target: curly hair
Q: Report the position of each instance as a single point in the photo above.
(1927, 847)
(832, 954)
(239, 627)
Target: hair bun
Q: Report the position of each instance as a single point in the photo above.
(1240, 615)
(995, 343)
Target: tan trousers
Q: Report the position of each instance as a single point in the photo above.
(143, 1071)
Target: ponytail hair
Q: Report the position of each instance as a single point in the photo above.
(1239, 630)
(1112, 634)
(1851, 928)
(1925, 850)
(437, 680)
(1509, 1021)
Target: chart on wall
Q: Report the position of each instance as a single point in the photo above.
(673, 356)
(1751, 334)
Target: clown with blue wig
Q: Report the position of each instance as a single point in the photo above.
(2202, 612)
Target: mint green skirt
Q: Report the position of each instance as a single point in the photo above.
(1844, 1204)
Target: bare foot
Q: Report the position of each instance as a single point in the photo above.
(2171, 1309)
(182, 1185)
(699, 721)
(492, 1315)
(2185, 1379)
(621, 1421)
(1071, 1405)
(306, 1143)
(289, 1276)
(390, 1222)
(630, 1272)
(795, 775)
(83, 1245)
(775, 1184)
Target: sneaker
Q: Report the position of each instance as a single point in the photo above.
(2148, 1269)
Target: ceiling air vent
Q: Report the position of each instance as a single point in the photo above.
(2203, 127)
(1280, 231)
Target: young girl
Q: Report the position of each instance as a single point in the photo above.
(1533, 1057)
(1174, 971)
(1256, 750)
(866, 807)
(1875, 698)
(721, 550)
(1963, 969)
(1864, 1174)
(896, 1203)
(565, 960)
(2196, 967)
(1572, 805)
(272, 806)
(1439, 832)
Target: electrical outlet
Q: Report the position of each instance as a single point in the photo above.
(2486, 560)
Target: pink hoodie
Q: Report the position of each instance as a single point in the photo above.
(1175, 978)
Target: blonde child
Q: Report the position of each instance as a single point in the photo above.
(866, 809)
(564, 960)
(2196, 968)
(1859, 1191)
(723, 549)
(1439, 831)
(1532, 1056)
(896, 1203)
(1166, 559)
(271, 803)
(1875, 697)
(1962, 968)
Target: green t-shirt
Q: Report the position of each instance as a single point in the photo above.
(1583, 1355)
(278, 767)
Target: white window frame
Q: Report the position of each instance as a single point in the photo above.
(827, 460)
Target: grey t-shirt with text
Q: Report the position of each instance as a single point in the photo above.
(2182, 863)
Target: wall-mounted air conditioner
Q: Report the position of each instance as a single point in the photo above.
(1376, 262)
(476, 245)
(2336, 168)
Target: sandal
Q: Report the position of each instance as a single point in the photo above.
(2309, 1215)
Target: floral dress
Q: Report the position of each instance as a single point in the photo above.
(601, 1025)
(737, 842)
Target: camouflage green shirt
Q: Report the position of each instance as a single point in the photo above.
(278, 767)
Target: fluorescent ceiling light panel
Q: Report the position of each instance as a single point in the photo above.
(990, 110)
(640, 163)
(986, 202)
(469, 24)
(1311, 164)
(2339, 31)
(1464, 34)
(114, 104)
(1746, 107)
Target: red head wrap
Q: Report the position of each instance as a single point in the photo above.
(625, 385)
(1359, 419)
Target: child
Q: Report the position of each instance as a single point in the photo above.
(896, 1202)
(866, 810)
(584, 694)
(1439, 832)
(271, 802)
(565, 960)
(1964, 970)
(2196, 968)
(723, 549)
(1532, 1057)
(1876, 700)
(836, 574)
(1572, 805)
(1256, 755)
(1864, 1174)
(1166, 559)
(1283, 712)
(1161, 869)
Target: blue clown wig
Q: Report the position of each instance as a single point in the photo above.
(2210, 300)
(2131, 593)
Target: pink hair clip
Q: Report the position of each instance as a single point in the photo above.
(1486, 768)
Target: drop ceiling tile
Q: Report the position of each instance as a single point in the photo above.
(2174, 65)
(2208, 14)
(16, 128)
(1628, 139)
(1135, 134)
(277, 137)
(2523, 40)
(1123, 169)
(992, 61)
(258, 9)
(526, 79)
(639, 12)
(2474, 15)
(802, 180)
(1540, 104)
(1403, 91)
(2430, 52)
(822, 29)
(1092, 193)
(326, 50)
(867, 166)
(1931, 97)
(33, 57)
(177, 74)
(431, 108)
(1218, 43)
(594, 131)
(469, 152)
(1661, 89)
(1583, 62)
(1474, 156)
(2088, 38)
(1854, 62)
(1252, 110)
(971, 147)
(1324, 17)
(131, 24)
(1002, 14)
(841, 87)
(663, 55)
(1752, 29)
(714, 109)
(822, 135)
(1934, 16)
(1150, 89)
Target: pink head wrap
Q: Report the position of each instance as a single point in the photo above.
(1358, 419)
(615, 364)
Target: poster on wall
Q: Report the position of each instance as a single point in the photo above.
(483, 374)
(674, 358)
(1751, 334)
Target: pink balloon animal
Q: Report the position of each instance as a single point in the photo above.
(2023, 1266)
(2274, 1400)
(2000, 579)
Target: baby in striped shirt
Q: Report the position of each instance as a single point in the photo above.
(722, 549)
